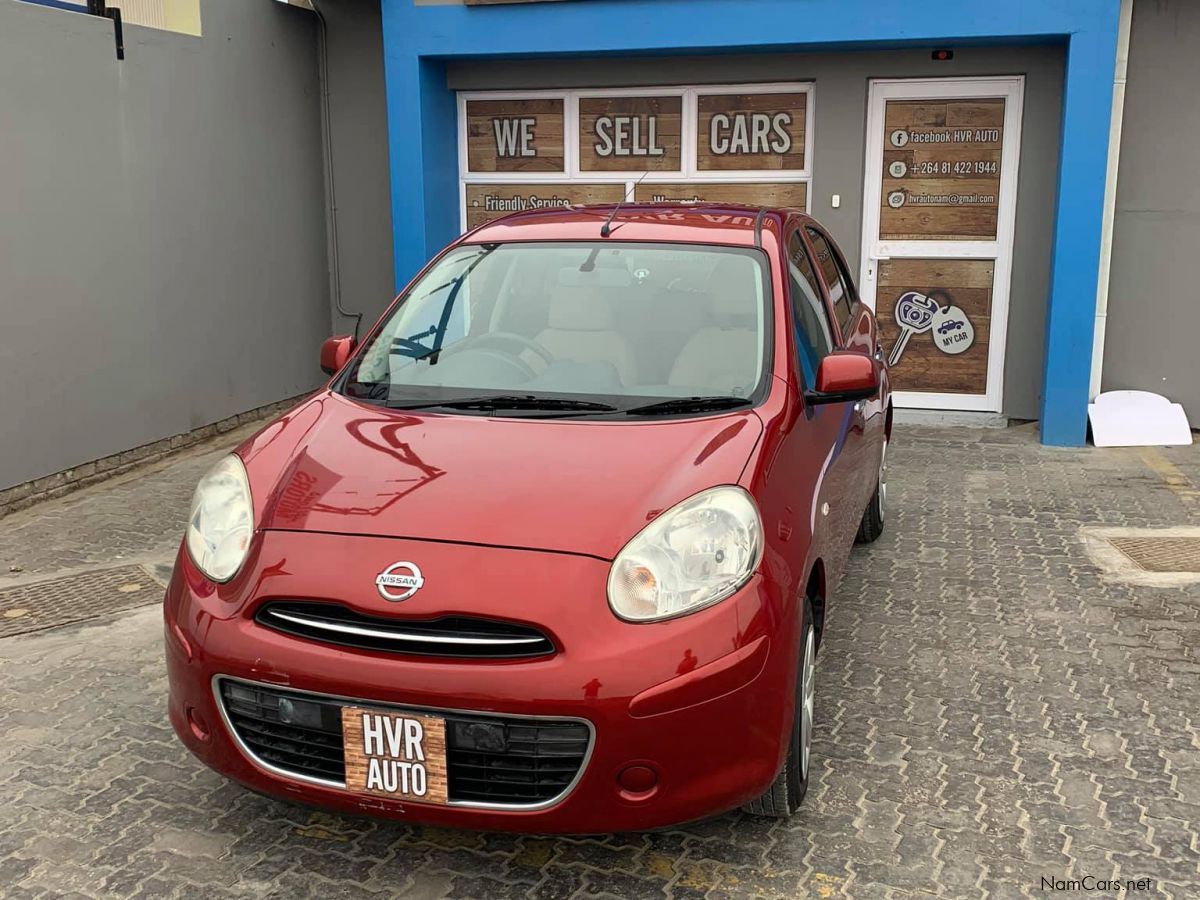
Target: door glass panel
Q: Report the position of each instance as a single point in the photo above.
(934, 317)
(941, 169)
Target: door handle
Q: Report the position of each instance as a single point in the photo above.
(873, 261)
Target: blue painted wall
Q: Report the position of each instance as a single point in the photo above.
(423, 140)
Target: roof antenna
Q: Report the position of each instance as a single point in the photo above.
(606, 228)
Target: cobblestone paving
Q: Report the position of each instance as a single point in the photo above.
(138, 517)
(989, 712)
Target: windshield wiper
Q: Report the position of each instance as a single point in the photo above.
(412, 346)
(687, 405)
(512, 401)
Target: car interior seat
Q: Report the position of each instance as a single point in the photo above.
(580, 328)
(722, 358)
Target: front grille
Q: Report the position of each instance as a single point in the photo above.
(459, 636)
(489, 759)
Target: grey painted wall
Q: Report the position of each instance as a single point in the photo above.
(840, 134)
(1153, 301)
(358, 106)
(162, 229)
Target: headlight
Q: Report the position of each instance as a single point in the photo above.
(222, 520)
(693, 555)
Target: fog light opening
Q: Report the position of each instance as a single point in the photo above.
(198, 725)
(638, 782)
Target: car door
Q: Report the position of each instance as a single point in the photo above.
(836, 512)
(857, 332)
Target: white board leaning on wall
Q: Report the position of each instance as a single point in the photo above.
(1137, 419)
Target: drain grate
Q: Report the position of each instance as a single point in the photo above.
(49, 604)
(1161, 553)
(1158, 557)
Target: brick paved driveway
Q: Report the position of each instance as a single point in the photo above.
(989, 712)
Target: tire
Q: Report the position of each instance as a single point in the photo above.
(787, 791)
(871, 526)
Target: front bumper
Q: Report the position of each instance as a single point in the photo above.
(705, 701)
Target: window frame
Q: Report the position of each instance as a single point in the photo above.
(688, 172)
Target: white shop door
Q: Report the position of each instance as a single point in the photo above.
(939, 205)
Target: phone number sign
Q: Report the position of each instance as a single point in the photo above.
(942, 161)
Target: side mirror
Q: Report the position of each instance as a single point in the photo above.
(335, 353)
(845, 376)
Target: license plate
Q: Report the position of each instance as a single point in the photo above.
(394, 754)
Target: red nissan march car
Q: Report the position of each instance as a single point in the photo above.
(553, 548)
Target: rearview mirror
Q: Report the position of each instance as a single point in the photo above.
(844, 376)
(335, 352)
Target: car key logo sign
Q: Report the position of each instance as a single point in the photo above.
(914, 313)
(952, 331)
(917, 313)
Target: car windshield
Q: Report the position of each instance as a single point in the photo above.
(574, 328)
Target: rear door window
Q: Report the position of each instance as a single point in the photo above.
(814, 334)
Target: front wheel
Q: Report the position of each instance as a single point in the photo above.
(787, 791)
(871, 526)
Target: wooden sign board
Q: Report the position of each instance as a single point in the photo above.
(941, 169)
(490, 201)
(748, 132)
(515, 135)
(397, 755)
(950, 353)
(780, 193)
(630, 134)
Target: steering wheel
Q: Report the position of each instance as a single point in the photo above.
(503, 339)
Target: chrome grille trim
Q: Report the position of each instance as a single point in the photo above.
(337, 699)
(396, 635)
(453, 636)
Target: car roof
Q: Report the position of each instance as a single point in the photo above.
(707, 223)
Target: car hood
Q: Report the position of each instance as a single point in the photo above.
(570, 485)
